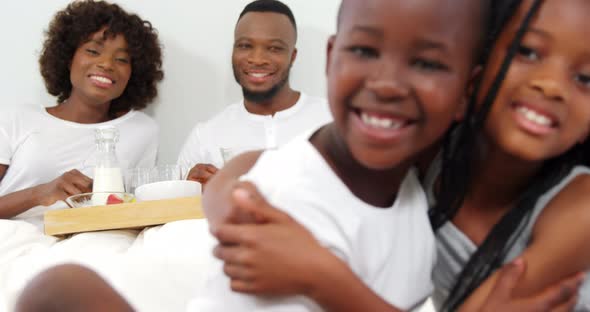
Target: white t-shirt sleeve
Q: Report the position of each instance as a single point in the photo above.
(6, 138)
(138, 140)
(5, 147)
(150, 155)
(192, 152)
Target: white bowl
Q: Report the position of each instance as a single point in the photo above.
(167, 190)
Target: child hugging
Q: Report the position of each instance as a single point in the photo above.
(512, 185)
(393, 92)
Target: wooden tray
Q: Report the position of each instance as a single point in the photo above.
(122, 216)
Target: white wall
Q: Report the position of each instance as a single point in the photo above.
(197, 36)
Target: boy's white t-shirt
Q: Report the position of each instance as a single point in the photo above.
(391, 249)
(236, 128)
(39, 147)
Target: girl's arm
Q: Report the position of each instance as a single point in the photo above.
(70, 183)
(559, 246)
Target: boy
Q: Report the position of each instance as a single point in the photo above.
(393, 91)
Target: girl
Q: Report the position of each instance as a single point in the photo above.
(529, 193)
(533, 136)
(103, 65)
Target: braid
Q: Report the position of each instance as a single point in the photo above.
(459, 143)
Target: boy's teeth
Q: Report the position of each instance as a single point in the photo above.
(377, 122)
(101, 79)
(533, 116)
(258, 75)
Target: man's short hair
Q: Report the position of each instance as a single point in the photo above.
(273, 6)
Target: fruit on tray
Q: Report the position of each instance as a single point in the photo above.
(114, 199)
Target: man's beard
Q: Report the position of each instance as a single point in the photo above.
(262, 96)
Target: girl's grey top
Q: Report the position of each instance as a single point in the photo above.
(455, 249)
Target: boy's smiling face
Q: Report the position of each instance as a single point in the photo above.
(398, 72)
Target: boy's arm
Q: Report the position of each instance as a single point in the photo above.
(218, 206)
(217, 195)
(559, 246)
(307, 268)
(360, 297)
(282, 247)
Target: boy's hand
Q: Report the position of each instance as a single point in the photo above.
(277, 257)
(248, 205)
(562, 296)
(70, 183)
(202, 173)
(220, 204)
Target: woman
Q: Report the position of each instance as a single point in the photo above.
(103, 65)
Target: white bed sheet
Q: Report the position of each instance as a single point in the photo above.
(159, 269)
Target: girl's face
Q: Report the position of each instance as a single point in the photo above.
(100, 68)
(394, 90)
(543, 106)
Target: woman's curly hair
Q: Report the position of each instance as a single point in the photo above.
(74, 25)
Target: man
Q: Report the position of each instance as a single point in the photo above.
(272, 113)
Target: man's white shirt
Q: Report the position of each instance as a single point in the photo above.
(240, 130)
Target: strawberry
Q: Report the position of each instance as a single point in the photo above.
(113, 199)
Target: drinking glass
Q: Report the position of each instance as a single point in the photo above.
(136, 177)
(166, 173)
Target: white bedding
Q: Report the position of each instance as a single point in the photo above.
(159, 269)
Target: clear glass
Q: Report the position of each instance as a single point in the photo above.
(166, 173)
(136, 177)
